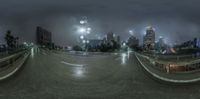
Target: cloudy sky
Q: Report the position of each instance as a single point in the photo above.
(176, 20)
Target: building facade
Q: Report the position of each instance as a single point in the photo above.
(149, 39)
(133, 42)
(44, 37)
(110, 37)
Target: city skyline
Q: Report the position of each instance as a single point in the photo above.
(172, 22)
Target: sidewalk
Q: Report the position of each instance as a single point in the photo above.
(174, 77)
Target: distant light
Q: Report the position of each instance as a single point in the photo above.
(82, 22)
(84, 41)
(88, 32)
(88, 41)
(124, 44)
(114, 35)
(144, 33)
(82, 30)
(89, 29)
(160, 37)
(81, 37)
(150, 28)
(131, 32)
(24, 43)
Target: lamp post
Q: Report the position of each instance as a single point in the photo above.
(84, 30)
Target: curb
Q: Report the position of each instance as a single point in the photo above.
(22, 61)
(166, 79)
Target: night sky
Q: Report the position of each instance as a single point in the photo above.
(175, 20)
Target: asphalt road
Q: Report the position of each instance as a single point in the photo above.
(59, 75)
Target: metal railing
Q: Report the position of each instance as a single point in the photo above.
(170, 66)
(7, 61)
(173, 57)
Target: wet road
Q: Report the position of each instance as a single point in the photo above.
(50, 75)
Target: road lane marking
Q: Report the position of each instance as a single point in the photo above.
(78, 65)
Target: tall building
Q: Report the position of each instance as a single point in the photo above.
(196, 43)
(161, 42)
(133, 42)
(44, 37)
(149, 39)
(160, 45)
(118, 40)
(110, 36)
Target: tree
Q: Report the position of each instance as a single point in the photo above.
(9, 39)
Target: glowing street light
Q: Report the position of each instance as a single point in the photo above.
(87, 41)
(89, 29)
(84, 41)
(82, 37)
(124, 44)
(82, 30)
(82, 22)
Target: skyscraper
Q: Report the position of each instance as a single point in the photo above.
(133, 42)
(149, 39)
(118, 40)
(44, 37)
(110, 36)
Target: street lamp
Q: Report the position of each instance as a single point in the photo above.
(87, 41)
(84, 41)
(82, 37)
(82, 22)
(82, 30)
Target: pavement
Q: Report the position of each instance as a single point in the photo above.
(49, 75)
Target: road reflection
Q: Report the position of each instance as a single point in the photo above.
(123, 58)
(79, 72)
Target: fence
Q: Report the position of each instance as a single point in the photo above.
(173, 57)
(5, 62)
(169, 66)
